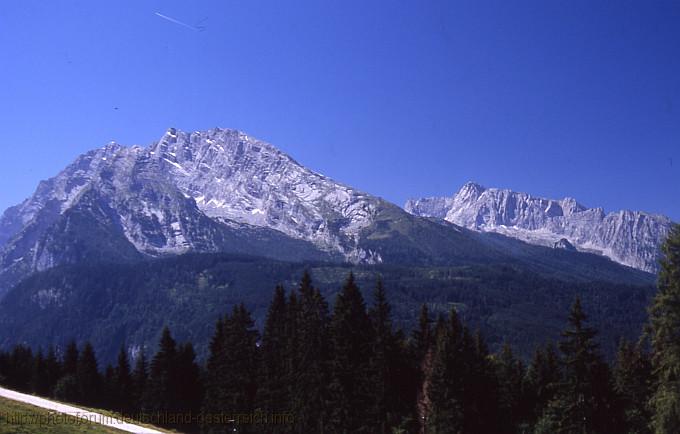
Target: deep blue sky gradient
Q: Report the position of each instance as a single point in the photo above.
(398, 98)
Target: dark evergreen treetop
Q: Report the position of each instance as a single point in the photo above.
(585, 401)
(350, 383)
(664, 332)
(88, 376)
(71, 358)
(160, 393)
(422, 334)
(139, 381)
(123, 374)
(350, 371)
(273, 396)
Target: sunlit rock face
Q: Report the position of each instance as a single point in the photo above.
(631, 238)
(231, 175)
(212, 191)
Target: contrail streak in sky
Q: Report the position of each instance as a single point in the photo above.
(172, 20)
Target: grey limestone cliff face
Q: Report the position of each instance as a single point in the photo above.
(222, 190)
(632, 238)
(233, 176)
(213, 191)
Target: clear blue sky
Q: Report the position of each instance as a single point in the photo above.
(398, 98)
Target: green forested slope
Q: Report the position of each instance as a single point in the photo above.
(116, 303)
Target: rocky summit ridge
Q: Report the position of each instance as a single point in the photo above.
(204, 191)
(631, 238)
(222, 190)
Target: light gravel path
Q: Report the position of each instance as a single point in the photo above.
(91, 416)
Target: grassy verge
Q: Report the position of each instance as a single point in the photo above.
(19, 418)
(113, 414)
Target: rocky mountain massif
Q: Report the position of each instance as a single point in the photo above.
(124, 204)
(128, 239)
(223, 191)
(181, 193)
(631, 238)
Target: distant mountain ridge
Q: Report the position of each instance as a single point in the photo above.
(122, 204)
(127, 239)
(631, 238)
(223, 191)
(231, 177)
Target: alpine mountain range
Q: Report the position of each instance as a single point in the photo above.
(631, 238)
(223, 191)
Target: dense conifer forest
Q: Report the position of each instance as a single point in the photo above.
(350, 370)
(115, 304)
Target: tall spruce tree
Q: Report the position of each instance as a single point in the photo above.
(421, 339)
(39, 381)
(382, 354)
(632, 380)
(188, 381)
(241, 339)
(402, 388)
(422, 353)
(21, 363)
(109, 388)
(510, 372)
(481, 402)
(311, 377)
(231, 377)
(541, 381)
(53, 369)
(139, 382)
(88, 377)
(291, 356)
(71, 355)
(393, 377)
(350, 364)
(273, 391)
(585, 401)
(161, 391)
(664, 324)
(446, 389)
(66, 388)
(214, 400)
(123, 383)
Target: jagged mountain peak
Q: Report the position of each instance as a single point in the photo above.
(210, 191)
(631, 238)
(214, 190)
(212, 137)
(234, 176)
(223, 190)
(472, 186)
(470, 190)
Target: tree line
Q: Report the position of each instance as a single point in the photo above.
(349, 370)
